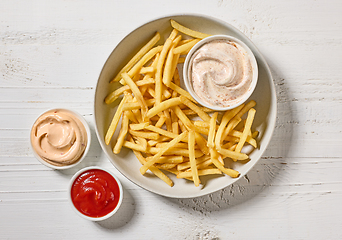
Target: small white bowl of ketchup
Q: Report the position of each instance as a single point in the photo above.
(95, 193)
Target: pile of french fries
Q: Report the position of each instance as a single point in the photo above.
(164, 126)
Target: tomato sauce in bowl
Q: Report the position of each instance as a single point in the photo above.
(95, 193)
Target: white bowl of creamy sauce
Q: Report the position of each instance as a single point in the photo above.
(60, 138)
(220, 72)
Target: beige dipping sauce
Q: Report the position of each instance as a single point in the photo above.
(59, 137)
(221, 72)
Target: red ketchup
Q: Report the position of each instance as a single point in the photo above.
(95, 193)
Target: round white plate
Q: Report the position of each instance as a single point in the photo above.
(126, 162)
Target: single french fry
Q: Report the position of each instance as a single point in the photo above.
(148, 164)
(138, 126)
(248, 125)
(175, 128)
(168, 122)
(138, 55)
(202, 143)
(115, 121)
(188, 31)
(145, 70)
(193, 167)
(168, 159)
(212, 130)
(134, 146)
(201, 172)
(185, 48)
(144, 134)
(163, 106)
(232, 154)
(166, 166)
(160, 121)
(122, 133)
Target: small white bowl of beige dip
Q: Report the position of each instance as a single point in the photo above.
(60, 138)
(220, 72)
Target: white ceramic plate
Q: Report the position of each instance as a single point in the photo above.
(126, 162)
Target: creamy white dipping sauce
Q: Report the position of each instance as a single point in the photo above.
(221, 73)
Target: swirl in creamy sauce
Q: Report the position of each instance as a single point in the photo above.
(59, 137)
(221, 72)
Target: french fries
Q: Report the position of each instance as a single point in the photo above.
(164, 126)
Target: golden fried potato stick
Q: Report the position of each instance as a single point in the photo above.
(168, 159)
(145, 70)
(150, 163)
(134, 146)
(193, 167)
(202, 143)
(188, 31)
(143, 134)
(232, 154)
(200, 172)
(163, 106)
(212, 130)
(185, 48)
(247, 129)
(138, 126)
(115, 121)
(122, 133)
(160, 121)
(137, 56)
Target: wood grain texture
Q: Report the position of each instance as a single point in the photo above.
(51, 54)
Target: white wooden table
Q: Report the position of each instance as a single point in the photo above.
(51, 54)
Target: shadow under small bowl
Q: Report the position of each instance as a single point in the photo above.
(114, 179)
(187, 72)
(86, 126)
